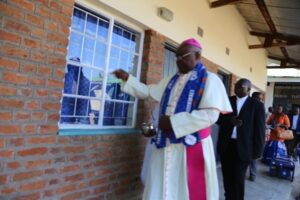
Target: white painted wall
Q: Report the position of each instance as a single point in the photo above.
(223, 27)
(269, 95)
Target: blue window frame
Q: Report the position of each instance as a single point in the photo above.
(92, 96)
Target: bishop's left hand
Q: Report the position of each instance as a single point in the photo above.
(165, 123)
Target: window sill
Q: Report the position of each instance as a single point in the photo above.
(83, 132)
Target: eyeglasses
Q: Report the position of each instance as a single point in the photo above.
(185, 55)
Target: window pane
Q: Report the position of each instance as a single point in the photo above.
(68, 105)
(94, 112)
(135, 43)
(113, 64)
(124, 58)
(115, 52)
(112, 89)
(102, 30)
(100, 55)
(96, 84)
(74, 49)
(122, 114)
(91, 25)
(84, 81)
(88, 51)
(126, 40)
(117, 36)
(132, 63)
(71, 79)
(78, 20)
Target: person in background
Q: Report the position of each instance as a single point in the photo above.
(295, 127)
(252, 167)
(182, 165)
(275, 147)
(241, 139)
(270, 112)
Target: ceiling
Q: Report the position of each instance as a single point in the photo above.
(276, 23)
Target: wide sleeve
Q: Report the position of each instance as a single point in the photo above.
(215, 96)
(185, 123)
(137, 89)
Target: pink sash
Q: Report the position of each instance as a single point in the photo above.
(196, 168)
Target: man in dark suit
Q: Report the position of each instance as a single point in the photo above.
(295, 127)
(241, 139)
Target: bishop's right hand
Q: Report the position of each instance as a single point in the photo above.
(121, 74)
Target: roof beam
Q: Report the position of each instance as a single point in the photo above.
(278, 44)
(284, 67)
(264, 11)
(268, 41)
(220, 3)
(284, 61)
(278, 36)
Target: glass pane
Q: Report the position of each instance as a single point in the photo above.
(75, 45)
(124, 58)
(82, 107)
(96, 83)
(93, 113)
(68, 105)
(112, 90)
(129, 122)
(67, 120)
(88, 51)
(126, 39)
(102, 29)
(128, 112)
(135, 43)
(109, 109)
(132, 99)
(115, 52)
(84, 81)
(108, 119)
(113, 64)
(71, 79)
(117, 36)
(78, 20)
(91, 25)
(120, 114)
(131, 65)
(100, 55)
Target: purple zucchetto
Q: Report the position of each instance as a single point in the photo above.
(191, 42)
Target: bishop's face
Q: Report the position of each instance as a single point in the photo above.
(187, 58)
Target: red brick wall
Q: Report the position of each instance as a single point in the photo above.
(35, 162)
(152, 69)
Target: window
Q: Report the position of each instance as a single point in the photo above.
(91, 96)
(225, 79)
(170, 66)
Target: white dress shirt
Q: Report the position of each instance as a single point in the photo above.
(239, 104)
(295, 120)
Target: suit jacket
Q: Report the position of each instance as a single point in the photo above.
(250, 136)
(298, 123)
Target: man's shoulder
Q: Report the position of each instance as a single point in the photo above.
(212, 75)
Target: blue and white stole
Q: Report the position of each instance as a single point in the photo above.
(189, 100)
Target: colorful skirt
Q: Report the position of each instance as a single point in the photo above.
(272, 150)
